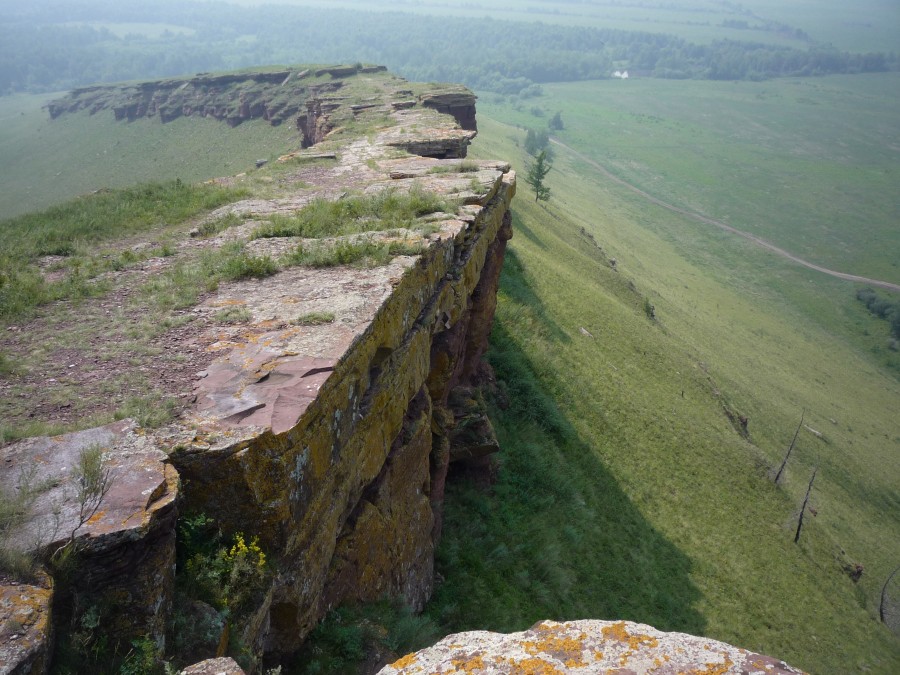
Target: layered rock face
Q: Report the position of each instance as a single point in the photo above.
(329, 441)
(124, 543)
(335, 440)
(300, 94)
(587, 647)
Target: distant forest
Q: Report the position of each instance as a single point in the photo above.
(56, 45)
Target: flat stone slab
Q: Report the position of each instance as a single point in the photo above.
(587, 647)
(140, 484)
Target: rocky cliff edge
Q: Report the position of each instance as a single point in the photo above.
(327, 440)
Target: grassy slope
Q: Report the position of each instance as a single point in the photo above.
(635, 500)
(809, 164)
(48, 161)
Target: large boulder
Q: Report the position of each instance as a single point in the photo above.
(551, 648)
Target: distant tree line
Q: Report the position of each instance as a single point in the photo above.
(882, 308)
(52, 45)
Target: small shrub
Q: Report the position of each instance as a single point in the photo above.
(313, 319)
(228, 577)
(234, 315)
(343, 639)
(141, 659)
(244, 266)
(212, 227)
(649, 309)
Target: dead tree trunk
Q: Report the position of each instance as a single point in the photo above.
(884, 595)
(790, 449)
(805, 502)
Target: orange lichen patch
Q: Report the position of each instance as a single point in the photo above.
(714, 668)
(617, 632)
(468, 664)
(404, 662)
(567, 649)
(95, 518)
(533, 666)
(598, 655)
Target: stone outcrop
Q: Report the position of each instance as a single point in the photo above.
(588, 647)
(275, 96)
(126, 548)
(25, 626)
(334, 440)
(316, 101)
(221, 666)
(329, 441)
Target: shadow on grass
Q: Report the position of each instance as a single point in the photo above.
(518, 290)
(556, 537)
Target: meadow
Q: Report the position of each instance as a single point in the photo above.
(809, 164)
(46, 161)
(628, 488)
(868, 25)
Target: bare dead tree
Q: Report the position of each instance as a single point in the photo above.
(790, 449)
(805, 502)
(884, 595)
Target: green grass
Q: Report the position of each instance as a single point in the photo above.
(869, 25)
(50, 161)
(625, 491)
(108, 215)
(359, 253)
(314, 319)
(386, 210)
(75, 229)
(808, 164)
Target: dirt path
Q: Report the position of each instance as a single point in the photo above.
(728, 228)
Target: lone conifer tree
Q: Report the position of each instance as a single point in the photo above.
(556, 122)
(537, 172)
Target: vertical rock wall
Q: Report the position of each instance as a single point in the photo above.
(349, 498)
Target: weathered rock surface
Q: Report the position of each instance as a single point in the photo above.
(589, 647)
(334, 439)
(222, 666)
(126, 549)
(25, 627)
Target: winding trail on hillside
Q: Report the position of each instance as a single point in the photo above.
(762, 243)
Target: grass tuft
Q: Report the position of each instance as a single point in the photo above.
(314, 319)
(359, 253)
(386, 210)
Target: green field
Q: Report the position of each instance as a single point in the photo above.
(48, 161)
(868, 25)
(812, 165)
(626, 491)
